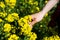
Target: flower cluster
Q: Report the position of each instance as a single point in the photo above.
(2, 5)
(26, 28)
(15, 18)
(56, 37)
(13, 37)
(3, 14)
(23, 27)
(1, 20)
(32, 36)
(12, 17)
(7, 27)
(11, 3)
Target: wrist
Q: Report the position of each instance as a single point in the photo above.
(42, 13)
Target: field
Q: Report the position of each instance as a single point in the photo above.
(14, 18)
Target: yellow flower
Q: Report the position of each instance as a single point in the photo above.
(32, 11)
(46, 1)
(56, 37)
(51, 38)
(36, 2)
(46, 14)
(45, 38)
(7, 27)
(3, 14)
(7, 1)
(26, 17)
(1, 20)
(30, 18)
(37, 8)
(2, 5)
(11, 3)
(33, 36)
(41, 25)
(10, 18)
(20, 22)
(13, 37)
(25, 21)
(26, 29)
(30, 2)
(15, 15)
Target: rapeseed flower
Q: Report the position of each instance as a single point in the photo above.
(2, 5)
(13, 37)
(1, 20)
(9, 18)
(32, 36)
(15, 15)
(3, 14)
(11, 3)
(7, 27)
(37, 8)
(56, 37)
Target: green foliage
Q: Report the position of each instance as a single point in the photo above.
(28, 7)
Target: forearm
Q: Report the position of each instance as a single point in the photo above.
(49, 6)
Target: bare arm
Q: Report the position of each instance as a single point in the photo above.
(49, 6)
(39, 16)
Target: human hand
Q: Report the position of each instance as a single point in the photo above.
(36, 18)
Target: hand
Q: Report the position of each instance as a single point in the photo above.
(36, 18)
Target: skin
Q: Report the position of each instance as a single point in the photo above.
(39, 16)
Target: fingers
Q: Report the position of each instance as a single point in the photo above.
(32, 23)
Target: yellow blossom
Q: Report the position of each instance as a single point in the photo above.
(20, 22)
(3, 14)
(26, 17)
(33, 36)
(30, 18)
(1, 20)
(32, 11)
(13, 37)
(56, 37)
(7, 1)
(15, 15)
(7, 27)
(46, 14)
(30, 2)
(10, 18)
(37, 8)
(46, 1)
(26, 29)
(41, 25)
(36, 2)
(2, 5)
(25, 21)
(11, 3)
